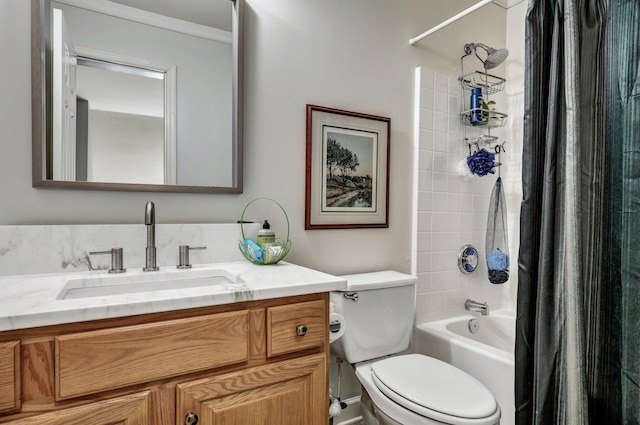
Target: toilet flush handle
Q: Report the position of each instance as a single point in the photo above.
(353, 296)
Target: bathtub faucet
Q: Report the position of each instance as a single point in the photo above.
(482, 308)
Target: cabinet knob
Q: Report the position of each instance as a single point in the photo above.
(190, 419)
(302, 330)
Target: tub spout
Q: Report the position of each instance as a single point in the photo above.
(482, 308)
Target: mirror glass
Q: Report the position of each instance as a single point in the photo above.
(137, 95)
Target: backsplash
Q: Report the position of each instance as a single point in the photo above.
(65, 248)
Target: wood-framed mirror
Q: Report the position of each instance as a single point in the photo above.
(137, 95)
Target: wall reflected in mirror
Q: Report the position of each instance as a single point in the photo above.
(120, 125)
(134, 100)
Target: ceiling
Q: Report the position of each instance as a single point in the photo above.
(121, 92)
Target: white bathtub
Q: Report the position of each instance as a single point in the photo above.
(486, 355)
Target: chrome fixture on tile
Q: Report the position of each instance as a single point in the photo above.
(183, 253)
(494, 56)
(116, 259)
(482, 308)
(150, 222)
(467, 259)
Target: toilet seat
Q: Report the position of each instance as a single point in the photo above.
(424, 384)
(457, 398)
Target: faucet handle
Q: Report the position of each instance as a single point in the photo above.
(116, 259)
(183, 251)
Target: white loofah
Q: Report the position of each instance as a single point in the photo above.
(463, 170)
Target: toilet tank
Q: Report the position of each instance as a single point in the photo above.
(380, 321)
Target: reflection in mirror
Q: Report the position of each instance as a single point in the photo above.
(126, 99)
(123, 138)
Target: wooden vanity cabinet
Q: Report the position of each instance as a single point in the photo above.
(131, 409)
(283, 393)
(287, 392)
(9, 376)
(256, 362)
(105, 359)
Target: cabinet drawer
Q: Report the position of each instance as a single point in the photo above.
(283, 322)
(95, 361)
(9, 376)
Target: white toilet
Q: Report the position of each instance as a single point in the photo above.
(408, 389)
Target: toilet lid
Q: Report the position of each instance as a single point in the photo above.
(420, 383)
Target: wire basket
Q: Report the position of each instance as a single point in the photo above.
(490, 84)
(490, 119)
(269, 253)
(484, 139)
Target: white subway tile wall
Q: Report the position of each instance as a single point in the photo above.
(453, 208)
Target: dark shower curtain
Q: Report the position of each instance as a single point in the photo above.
(578, 314)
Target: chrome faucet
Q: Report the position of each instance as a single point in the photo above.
(482, 308)
(150, 222)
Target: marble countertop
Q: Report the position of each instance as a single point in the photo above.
(28, 301)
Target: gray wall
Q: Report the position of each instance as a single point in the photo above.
(125, 148)
(352, 55)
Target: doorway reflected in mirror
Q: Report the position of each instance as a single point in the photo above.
(142, 102)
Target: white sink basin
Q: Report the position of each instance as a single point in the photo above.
(136, 282)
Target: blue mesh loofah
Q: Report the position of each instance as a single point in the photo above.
(482, 162)
(497, 260)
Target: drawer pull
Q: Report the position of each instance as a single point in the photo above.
(191, 419)
(302, 330)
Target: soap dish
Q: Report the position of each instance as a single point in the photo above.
(272, 253)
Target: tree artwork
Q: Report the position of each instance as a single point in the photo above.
(339, 158)
(343, 188)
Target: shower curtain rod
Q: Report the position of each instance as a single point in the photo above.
(450, 21)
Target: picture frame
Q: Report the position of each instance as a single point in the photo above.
(347, 169)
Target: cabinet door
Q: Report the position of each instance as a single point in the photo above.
(133, 409)
(290, 392)
(9, 376)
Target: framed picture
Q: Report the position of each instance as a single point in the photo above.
(347, 178)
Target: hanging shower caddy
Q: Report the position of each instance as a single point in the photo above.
(488, 118)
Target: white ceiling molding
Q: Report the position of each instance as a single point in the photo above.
(150, 18)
